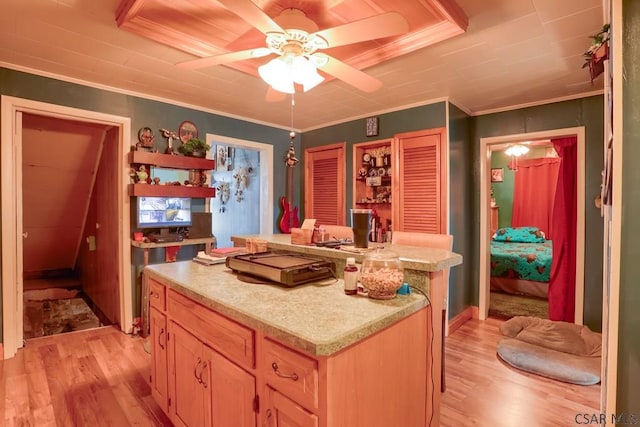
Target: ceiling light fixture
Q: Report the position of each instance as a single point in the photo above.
(515, 151)
(298, 61)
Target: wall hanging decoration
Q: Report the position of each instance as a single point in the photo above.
(241, 175)
(145, 139)
(186, 131)
(225, 194)
(221, 157)
(497, 175)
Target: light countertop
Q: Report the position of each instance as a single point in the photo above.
(413, 257)
(318, 319)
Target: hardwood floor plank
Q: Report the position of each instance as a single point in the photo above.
(483, 390)
(100, 377)
(92, 378)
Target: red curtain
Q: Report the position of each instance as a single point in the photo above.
(563, 228)
(534, 191)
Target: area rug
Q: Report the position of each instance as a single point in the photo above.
(55, 316)
(505, 306)
(558, 350)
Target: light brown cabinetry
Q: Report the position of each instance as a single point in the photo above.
(193, 383)
(420, 186)
(159, 355)
(223, 373)
(406, 187)
(283, 412)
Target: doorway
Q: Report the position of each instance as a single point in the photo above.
(493, 143)
(112, 234)
(244, 188)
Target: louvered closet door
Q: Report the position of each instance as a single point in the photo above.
(324, 184)
(420, 202)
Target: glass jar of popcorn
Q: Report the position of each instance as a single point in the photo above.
(381, 274)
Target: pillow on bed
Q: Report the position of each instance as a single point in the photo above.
(519, 235)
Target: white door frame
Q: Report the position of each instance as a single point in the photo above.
(485, 190)
(266, 175)
(11, 193)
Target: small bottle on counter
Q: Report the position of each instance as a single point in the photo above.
(351, 277)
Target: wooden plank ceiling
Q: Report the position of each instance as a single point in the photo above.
(206, 28)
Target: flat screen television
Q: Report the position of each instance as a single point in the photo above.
(163, 212)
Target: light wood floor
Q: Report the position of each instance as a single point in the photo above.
(99, 377)
(484, 391)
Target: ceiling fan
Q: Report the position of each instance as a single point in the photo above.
(298, 42)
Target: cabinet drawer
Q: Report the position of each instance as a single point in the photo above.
(157, 295)
(225, 336)
(291, 373)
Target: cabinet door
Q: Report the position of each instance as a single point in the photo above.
(187, 389)
(324, 182)
(420, 182)
(159, 361)
(282, 412)
(231, 391)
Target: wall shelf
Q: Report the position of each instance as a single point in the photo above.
(171, 161)
(170, 191)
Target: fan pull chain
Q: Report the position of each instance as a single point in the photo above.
(292, 134)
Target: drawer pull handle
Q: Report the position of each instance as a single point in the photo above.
(275, 368)
(195, 371)
(203, 382)
(267, 420)
(160, 338)
(154, 294)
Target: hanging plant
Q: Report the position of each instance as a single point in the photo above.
(597, 53)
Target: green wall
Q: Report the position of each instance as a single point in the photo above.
(156, 115)
(587, 112)
(461, 281)
(412, 119)
(460, 161)
(629, 316)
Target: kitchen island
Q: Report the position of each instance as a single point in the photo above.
(228, 352)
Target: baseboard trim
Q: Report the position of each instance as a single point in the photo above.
(475, 312)
(460, 319)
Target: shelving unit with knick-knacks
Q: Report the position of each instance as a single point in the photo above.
(372, 189)
(147, 187)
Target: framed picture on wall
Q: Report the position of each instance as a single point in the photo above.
(497, 175)
(221, 157)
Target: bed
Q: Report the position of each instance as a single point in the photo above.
(521, 267)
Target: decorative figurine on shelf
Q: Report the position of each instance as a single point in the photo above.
(170, 135)
(142, 175)
(156, 180)
(145, 139)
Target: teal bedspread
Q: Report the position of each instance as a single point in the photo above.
(527, 261)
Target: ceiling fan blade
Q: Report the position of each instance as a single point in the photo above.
(252, 14)
(375, 27)
(224, 58)
(353, 76)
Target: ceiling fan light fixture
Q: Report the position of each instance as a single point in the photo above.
(281, 73)
(276, 74)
